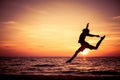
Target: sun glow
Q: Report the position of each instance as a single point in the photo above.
(85, 52)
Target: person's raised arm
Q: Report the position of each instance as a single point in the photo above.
(87, 25)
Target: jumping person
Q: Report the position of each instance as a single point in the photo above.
(85, 44)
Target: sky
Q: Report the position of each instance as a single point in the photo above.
(46, 28)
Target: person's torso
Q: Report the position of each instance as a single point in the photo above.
(82, 38)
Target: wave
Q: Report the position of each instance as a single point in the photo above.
(93, 72)
(16, 64)
(43, 65)
(109, 72)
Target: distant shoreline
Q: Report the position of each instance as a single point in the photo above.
(56, 77)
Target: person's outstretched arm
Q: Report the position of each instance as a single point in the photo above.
(92, 35)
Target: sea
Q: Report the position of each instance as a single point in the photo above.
(80, 66)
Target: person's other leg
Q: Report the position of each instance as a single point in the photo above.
(76, 53)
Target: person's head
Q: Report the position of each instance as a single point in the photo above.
(86, 30)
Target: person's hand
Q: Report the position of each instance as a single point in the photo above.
(87, 23)
(87, 26)
(97, 36)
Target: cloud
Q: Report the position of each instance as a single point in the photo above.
(35, 10)
(9, 22)
(116, 18)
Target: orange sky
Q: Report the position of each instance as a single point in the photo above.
(52, 27)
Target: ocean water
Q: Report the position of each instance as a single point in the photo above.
(80, 66)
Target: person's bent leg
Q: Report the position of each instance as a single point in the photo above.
(97, 45)
(80, 49)
(99, 42)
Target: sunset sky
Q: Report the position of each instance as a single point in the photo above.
(52, 27)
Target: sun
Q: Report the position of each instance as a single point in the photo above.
(85, 52)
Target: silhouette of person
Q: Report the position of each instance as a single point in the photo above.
(85, 44)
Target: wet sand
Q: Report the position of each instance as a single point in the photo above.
(57, 77)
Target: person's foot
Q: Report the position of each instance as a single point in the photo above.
(68, 61)
(103, 37)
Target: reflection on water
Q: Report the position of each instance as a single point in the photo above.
(57, 66)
